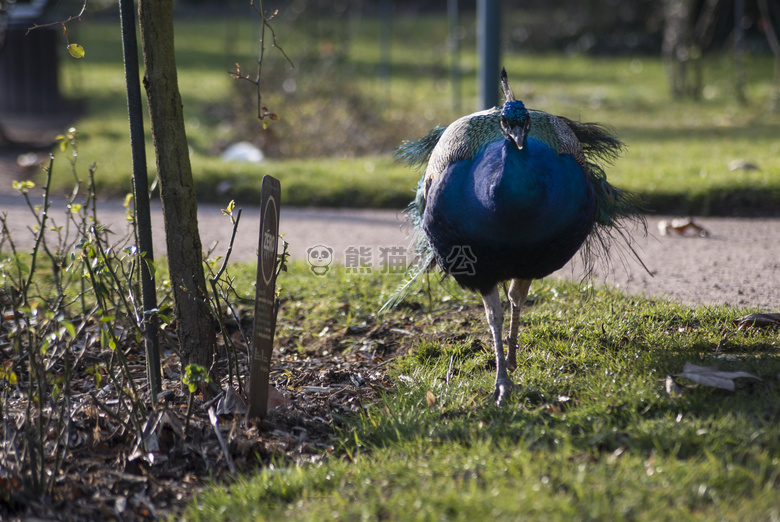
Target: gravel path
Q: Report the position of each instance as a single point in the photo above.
(737, 264)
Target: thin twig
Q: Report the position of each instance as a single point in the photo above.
(41, 230)
(262, 112)
(215, 425)
(213, 281)
(229, 250)
(61, 22)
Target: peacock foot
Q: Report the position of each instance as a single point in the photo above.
(503, 390)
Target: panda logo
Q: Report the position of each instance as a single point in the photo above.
(320, 257)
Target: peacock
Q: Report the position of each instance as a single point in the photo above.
(510, 194)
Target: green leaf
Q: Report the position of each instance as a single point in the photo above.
(8, 375)
(76, 50)
(23, 186)
(70, 328)
(129, 207)
(96, 372)
(229, 210)
(194, 374)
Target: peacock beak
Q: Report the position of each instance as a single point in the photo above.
(518, 134)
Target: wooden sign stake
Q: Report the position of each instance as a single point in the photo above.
(265, 319)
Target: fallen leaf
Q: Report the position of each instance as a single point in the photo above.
(276, 399)
(170, 420)
(616, 454)
(672, 388)
(711, 376)
(430, 398)
(681, 227)
(757, 320)
(743, 165)
(231, 403)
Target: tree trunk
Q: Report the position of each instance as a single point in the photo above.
(677, 43)
(195, 326)
(774, 44)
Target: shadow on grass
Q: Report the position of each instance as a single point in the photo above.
(596, 384)
(747, 202)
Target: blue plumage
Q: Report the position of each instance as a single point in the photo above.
(522, 213)
(512, 194)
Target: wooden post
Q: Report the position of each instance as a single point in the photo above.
(265, 318)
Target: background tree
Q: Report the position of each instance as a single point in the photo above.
(686, 33)
(194, 323)
(3, 30)
(774, 44)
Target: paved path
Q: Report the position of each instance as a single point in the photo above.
(738, 264)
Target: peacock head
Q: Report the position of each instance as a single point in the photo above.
(514, 118)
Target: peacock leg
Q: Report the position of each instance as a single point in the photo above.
(518, 291)
(495, 317)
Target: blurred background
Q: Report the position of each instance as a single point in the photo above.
(690, 85)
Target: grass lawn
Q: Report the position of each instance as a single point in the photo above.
(340, 121)
(591, 432)
(595, 429)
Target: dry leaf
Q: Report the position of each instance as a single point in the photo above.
(231, 403)
(147, 443)
(681, 227)
(430, 398)
(276, 399)
(616, 454)
(757, 320)
(672, 388)
(170, 420)
(711, 376)
(740, 164)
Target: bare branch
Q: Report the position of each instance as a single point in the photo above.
(262, 111)
(61, 22)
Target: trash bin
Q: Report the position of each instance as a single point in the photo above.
(29, 73)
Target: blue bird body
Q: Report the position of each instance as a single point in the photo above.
(521, 213)
(511, 194)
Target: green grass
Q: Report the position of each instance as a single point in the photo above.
(340, 121)
(589, 434)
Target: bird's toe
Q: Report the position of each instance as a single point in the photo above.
(503, 391)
